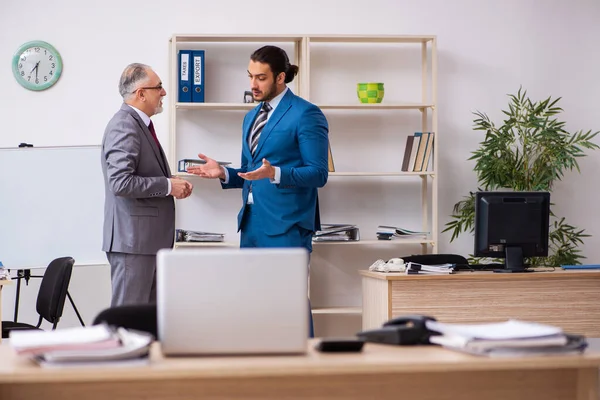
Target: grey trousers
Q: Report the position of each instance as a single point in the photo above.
(133, 278)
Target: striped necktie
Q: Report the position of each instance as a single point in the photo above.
(259, 123)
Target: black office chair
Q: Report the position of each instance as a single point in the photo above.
(51, 296)
(140, 317)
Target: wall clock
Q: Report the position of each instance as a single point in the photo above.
(37, 65)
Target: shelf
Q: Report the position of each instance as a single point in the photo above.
(337, 310)
(296, 38)
(376, 242)
(376, 106)
(371, 39)
(235, 38)
(358, 106)
(216, 106)
(205, 244)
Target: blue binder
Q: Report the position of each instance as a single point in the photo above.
(185, 76)
(198, 76)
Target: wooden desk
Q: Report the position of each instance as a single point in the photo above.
(569, 299)
(380, 372)
(2, 283)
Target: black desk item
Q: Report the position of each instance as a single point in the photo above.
(139, 317)
(405, 330)
(350, 345)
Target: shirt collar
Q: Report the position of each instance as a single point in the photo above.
(277, 99)
(142, 115)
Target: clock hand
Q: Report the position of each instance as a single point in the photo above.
(36, 65)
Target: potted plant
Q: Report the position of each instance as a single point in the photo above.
(530, 151)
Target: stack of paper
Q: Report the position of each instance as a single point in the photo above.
(414, 268)
(505, 339)
(385, 232)
(96, 345)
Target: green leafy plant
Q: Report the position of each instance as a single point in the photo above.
(530, 151)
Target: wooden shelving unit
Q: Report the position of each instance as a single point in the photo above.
(301, 55)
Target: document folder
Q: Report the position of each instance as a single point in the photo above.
(198, 76)
(185, 81)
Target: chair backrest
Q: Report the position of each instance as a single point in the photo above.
(53, 289)
(141, 317)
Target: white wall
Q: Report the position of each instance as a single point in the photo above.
(487, 49)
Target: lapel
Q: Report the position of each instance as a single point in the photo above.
(158, 153)
(282, 108)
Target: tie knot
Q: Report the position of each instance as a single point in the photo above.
(266, 107)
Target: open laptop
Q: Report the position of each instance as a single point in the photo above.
(232, 301)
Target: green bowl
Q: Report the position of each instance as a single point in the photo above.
(370, 92)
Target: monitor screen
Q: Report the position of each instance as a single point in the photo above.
(512, 225)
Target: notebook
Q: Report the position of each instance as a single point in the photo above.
(232, 301)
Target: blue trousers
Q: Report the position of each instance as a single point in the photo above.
(253, 236)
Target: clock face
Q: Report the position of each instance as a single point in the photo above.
(37, 65)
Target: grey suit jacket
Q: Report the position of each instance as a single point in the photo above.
(139, 217)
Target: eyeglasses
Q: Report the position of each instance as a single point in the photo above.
(158, 87)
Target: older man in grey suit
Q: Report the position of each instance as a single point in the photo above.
(139, 211)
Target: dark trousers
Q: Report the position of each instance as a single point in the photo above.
(253, 236)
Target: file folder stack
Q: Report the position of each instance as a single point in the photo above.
(512, 338)
(385, 232)
(413, 268)
(182, 235)
(91, 345)
(337, 233)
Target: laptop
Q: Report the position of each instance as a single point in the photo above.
(232, 301)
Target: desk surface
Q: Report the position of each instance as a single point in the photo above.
(545, 273)
(374, 359)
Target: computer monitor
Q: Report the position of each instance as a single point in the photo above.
(512, 225)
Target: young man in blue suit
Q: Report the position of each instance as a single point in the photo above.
(284, 159)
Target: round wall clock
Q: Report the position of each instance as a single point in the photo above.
(37, 65)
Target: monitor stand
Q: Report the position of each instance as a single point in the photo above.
(513, 261)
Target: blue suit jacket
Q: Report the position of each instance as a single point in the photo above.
(294, 139)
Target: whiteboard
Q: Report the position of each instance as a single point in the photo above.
(51, 205)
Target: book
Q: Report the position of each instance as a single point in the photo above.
(427, 159)
(420, 158)
(407, 153)
(330, 165)
(413, 151)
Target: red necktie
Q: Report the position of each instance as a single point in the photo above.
(153, 132)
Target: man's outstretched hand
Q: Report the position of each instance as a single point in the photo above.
(266, 170)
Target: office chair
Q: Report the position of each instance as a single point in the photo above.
(140, 317)
(51, 296)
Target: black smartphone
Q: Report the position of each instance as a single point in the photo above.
(344, 345)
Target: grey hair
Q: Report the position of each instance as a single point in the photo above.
(131, 77)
